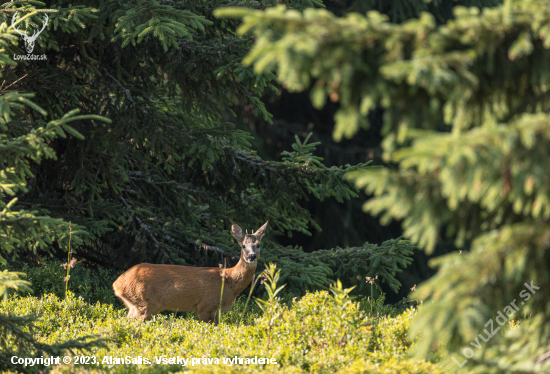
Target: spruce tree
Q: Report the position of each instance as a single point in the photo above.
(402, 10)
(22, 145)
(293, 114)
(165, 177)
(466, 135)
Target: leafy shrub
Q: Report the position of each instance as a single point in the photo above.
(320, 332)
(94, 285)
(393, 366)
(21, 335)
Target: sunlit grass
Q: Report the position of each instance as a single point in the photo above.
(321, 332)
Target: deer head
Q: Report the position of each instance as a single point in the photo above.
(250, 243)
(29, 40)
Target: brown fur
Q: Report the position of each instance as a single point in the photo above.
(147, 289)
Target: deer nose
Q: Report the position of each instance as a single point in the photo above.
(252, 257)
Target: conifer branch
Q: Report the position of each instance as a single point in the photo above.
(212, 248)
(144, 227)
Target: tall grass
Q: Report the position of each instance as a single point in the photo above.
(253, 284)
(68, 260)
(270, 307)
(221, 295)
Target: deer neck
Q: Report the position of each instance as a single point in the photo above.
(240, 276)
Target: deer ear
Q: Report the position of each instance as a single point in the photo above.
(237, 233)
(261, 231)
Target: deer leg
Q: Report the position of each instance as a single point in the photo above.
(149, 311)
(143, 314)
(209, 317)
(132, 310)
(215, 318)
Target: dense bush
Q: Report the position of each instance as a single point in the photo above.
(91, 284)
(299, 270)
(317, 333)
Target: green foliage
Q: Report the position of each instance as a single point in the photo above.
(402, 10)
(316, 270)
(299, 271)
(498, 259)
(11, 279)
(93, 285)
(165, 178)
(16, 333)
(169, 25)
(408, 79)
(271, 307)
(17, 340)
(394, 366)
(159, 180)
(271, 278)
(328, 181)
(24, 229)
(318, 333)
(24, 142)
(385, 260)
(345, 320)
(466, 131)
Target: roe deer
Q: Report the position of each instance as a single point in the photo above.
(146, 289)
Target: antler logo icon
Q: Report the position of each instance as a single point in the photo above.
(29, 40)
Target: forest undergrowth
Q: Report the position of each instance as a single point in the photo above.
(321, 332)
